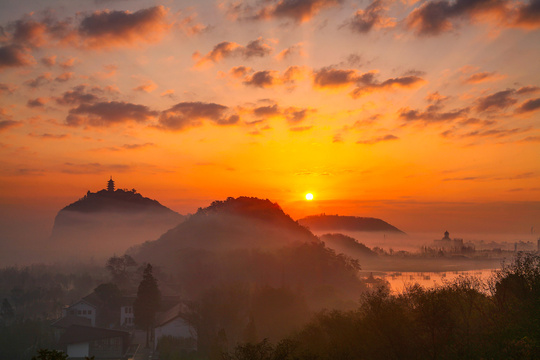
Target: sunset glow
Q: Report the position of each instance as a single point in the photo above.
(309, 196)
(428, 123)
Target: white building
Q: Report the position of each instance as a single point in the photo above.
(82, 308)
(171, 323)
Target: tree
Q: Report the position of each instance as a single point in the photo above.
(6, 311)
(118, 267)
(147, 302)
(46, 354)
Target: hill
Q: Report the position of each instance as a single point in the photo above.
(347, 245)
(325, 222)
(235, 223)
(109, 221)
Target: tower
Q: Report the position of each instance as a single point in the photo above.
(110, 185)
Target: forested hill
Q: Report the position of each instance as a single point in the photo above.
(325, 222)
(243, 222)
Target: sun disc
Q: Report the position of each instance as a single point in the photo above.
(309, 196)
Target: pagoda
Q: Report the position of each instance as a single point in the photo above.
(110, 185)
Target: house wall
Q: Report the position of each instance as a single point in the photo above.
(126, 316)
(107, 348)
(176, 328)
(84, 310)
(78, 350)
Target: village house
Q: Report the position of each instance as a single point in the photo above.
(81, 341)
(172, 323)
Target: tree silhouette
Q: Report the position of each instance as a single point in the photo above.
(6, 311)
(119, 266)
(147, 302)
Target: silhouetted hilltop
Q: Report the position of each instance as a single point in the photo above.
(325, 222)
(108, 221)
(243, 222)
(118, 200)
(347, 245)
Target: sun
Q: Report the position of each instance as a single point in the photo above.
(309, 196)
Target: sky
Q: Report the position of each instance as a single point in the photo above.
(423, 113)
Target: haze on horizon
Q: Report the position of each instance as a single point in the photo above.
(375, 107)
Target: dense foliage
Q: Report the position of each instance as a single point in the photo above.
(466, 319)
(147, 302)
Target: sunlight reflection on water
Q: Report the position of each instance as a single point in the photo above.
(400, 280)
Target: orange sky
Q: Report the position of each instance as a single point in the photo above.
(376, 107)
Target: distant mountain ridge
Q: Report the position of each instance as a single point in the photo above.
(325, 222)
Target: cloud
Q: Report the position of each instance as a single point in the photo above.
(186, 115)
(130, 147)
(531, 139)
(483, 77)
(267, 111)
(147, 86)
(6, 88)
(32, 33)
(528, 15)
(300, 128)
(77, 96)
(29, 32)
(263, 79)
(190, 27)
(500, 101)
(379, 139)
(8, 124)
(297, 49)
(527, 90)
(49, 60)
(435, 17)
(108, 113)
(328, 78)
(334, 78)
(69, 63)
(226, 49)
(436, 98)
(293, 115)
(41, 80)
(529, 106)
(240, 71)
(50, 136)
(94, 168)
(494, 132)
(14, 56)
(296, 115)
(137, 146)
(38, 102)
(364, 21)
(64, 77)
(298, 11)
(432, 114)
(367, 84)
(168, 93)
(106, 28)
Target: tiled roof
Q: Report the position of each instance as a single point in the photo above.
(166, 316)
(67, 321)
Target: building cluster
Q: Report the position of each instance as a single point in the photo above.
(106, 330)
(449, 246)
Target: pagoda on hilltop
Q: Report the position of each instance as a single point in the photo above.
(110, 185)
